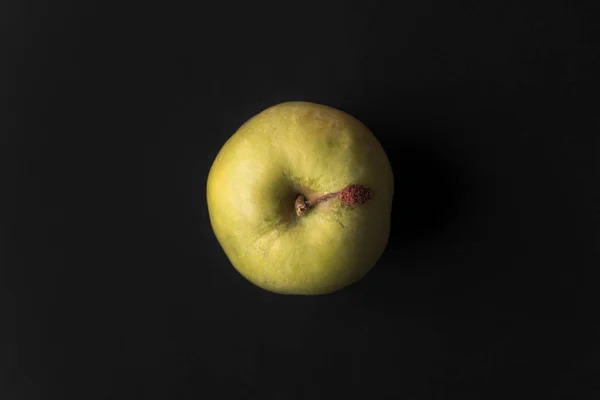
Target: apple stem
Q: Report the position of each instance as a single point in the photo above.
(312, 202)
(302, 205)
(351, 195)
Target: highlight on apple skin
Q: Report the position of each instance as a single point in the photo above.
(300, 199)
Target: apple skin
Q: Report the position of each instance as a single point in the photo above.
(300, 148)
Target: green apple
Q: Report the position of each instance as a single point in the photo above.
(300, 199)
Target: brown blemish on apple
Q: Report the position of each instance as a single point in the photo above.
(351, 195)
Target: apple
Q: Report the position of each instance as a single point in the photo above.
(300, 199)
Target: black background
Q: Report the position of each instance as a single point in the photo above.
(114, 286)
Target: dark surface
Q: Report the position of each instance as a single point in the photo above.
(114, 286)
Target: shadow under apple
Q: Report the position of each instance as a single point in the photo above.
(429, 192)
(436, 195)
